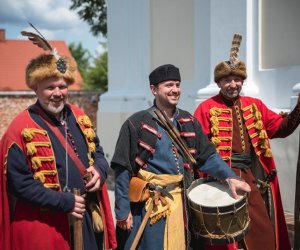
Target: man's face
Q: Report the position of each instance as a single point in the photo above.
(52, 94)
(231, 86)
(166, 93)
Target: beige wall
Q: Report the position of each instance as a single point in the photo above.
(172, 38)
(279, 33)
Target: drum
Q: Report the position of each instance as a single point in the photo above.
(216, 216)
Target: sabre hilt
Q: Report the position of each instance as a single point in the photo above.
(264, 185)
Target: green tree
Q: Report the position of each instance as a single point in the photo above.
(97, 74)
(82, 57)
(93, 12)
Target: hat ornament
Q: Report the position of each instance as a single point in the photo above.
(234, 51)
(40, 41)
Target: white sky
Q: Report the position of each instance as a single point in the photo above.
(52, 18)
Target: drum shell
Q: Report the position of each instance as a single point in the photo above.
(220, 224)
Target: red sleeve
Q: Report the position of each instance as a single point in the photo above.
(202, 115)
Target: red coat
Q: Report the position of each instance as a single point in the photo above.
(261, 123)
(48, 229)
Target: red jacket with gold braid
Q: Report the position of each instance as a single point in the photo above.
(261, 124)
(50, 227)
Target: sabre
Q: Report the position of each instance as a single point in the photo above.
(264, 185)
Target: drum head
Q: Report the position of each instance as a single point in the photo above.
(212, 194)
(216, 216)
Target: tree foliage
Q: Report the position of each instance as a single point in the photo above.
(82, 57)
(94, 13)
(97, 74)
(92, 70)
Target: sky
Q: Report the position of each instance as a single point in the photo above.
(52, 18)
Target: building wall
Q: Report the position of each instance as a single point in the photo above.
(195, 35)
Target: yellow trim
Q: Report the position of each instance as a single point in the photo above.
(226, 158)
(28, 133)
(253, 135)
(247, 107)
(89, 134)
(225, 138)
(217, 111)
(248, 116)
(85, 121)
(31, 146)
(41, 174)
(224, 148)
(225, 129)
(37, 161)
(52, 185)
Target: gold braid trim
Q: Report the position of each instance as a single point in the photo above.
(28, 133)
(225, 129)
(51, 185)
(92, 147)
(214, 120)
(85, 121)
(215, 140)
(225, 119)
(37, 161)
(215, 130)
(225, 138)
(261, 133)
(268, 153)
(217, 111)
(226, 158)
(89, 134)
(224, 148)
(41, 175)
(253, 135)
(248, 116)
(247, 107)
(257, 125)
(31, 146)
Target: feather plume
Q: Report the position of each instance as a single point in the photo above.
(40, 41)
(235, 48)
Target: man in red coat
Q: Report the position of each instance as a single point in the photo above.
(45, 153)
(240, 128)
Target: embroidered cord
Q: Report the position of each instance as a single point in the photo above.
(66, 187)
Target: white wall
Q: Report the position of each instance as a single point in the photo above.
(195, 35)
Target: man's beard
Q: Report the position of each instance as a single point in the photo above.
(53, 108)
(231, 95)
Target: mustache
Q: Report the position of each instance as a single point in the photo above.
(56, 99)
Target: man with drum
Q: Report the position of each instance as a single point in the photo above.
(240, 128)
(162, 146)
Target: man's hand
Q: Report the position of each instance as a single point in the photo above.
(235, 185)
(79, 207)
(126, 224)
(94, 184)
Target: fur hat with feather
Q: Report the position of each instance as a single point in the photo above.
(48, 65)
(233, 66)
